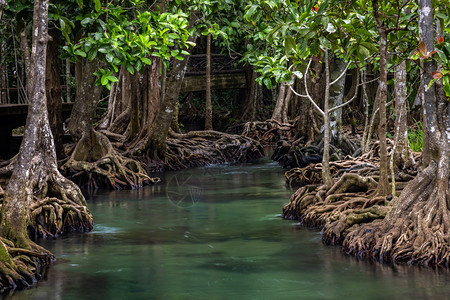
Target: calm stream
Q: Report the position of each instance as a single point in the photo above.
(215, 233)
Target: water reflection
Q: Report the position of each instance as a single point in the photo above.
(227, 244)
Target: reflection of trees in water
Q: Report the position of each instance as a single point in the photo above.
(416, 281)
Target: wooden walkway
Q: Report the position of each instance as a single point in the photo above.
(14, 115)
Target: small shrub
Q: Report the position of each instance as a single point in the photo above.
(415, 137)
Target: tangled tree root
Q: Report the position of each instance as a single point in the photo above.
(94, 164)
(312, 174)
(111, 171)
(416, 230)
(199, 148)
(350, 201)
(21, 268)
(57, 206)
(269, 132)
(297, 154)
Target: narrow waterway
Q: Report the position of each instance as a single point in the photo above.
(215, 233)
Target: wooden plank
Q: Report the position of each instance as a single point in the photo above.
(218, 82)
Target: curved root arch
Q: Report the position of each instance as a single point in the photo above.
(416, 231)
(268, 132)
(199, 148)
(94, 164)
(312, 174)
(58, 207)
(21, 268)
(349, 202)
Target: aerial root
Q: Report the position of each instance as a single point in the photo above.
(414, 232)
(112, 171)
(350, 202)
(312, 174)
(200, 148)
(269, 132)
(57, 208)
(21, 268)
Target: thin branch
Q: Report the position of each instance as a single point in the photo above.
(350, 100)
(342, 74)
(307, 92)
(369, 81)
(310, 99)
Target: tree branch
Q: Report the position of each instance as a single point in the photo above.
(342, 74)
(310, 99)
(306, 89)
(350, 100)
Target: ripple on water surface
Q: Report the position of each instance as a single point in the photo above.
(215, 235)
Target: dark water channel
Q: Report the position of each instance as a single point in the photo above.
(215, 233)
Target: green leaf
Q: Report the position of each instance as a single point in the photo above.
(109, 57)
(315, 47)
(138, 65)
(249, 13)
(130, 69)
(98, 5)
(62, 24)
(430, 84)
(298, 74)
(442, 56)
(146, 61)
(86, 21)
(112, 78)
(323, 7)
(289, 44)
(370, 46)
(80, 53)
(104, 80)
(363, 51)
(268, 83)
(92, 54)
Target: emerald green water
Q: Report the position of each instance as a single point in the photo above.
(215, 233)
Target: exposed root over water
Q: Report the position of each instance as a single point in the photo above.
(411, 226)
(269, 132)
(199, 148)
(96, 164)
(416, 230)
(21, 268)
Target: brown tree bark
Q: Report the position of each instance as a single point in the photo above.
(87, 97)
(54, 95)
(277, 113)
(402, 155)
(94, 163)
(153, 144)
(36, 182)
(3, 70)
(252, 103)
(336, 97)
(326, 174)
(27, 62)
(135, 106)
(416, 230)
(383, 182)
(2, 6)
(208, 110)
(68, 81)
